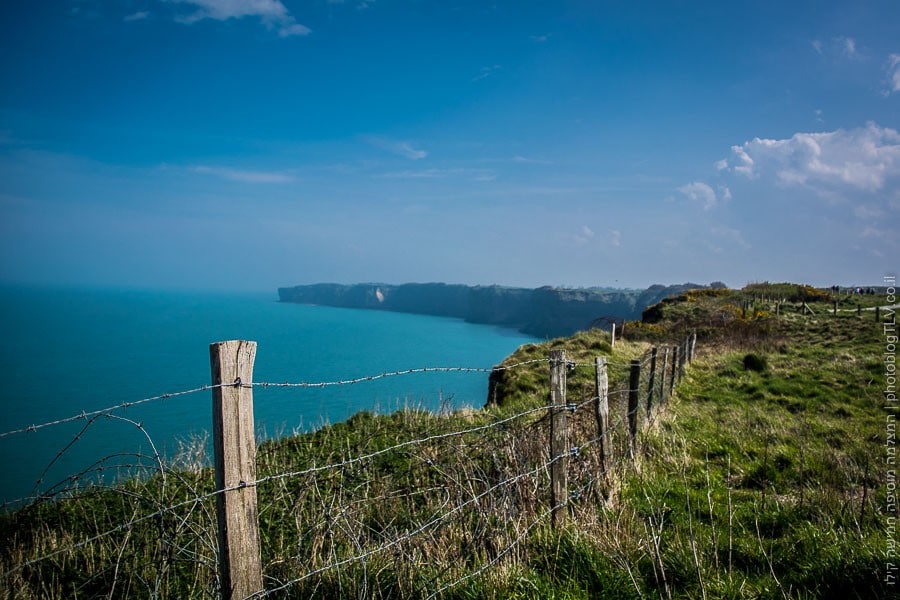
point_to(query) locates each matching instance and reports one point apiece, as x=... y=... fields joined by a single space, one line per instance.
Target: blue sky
x=250 y=144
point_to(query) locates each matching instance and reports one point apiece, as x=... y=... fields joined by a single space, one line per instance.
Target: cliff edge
x=545 y=312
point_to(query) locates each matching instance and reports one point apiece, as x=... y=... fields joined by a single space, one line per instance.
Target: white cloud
x=398 y=147
x=271 y=12
x=702 y=193
x=615 y=238
x=294 y=29
x=486 y=72
x=893 y=70
x=422 y=174
x=848 y=46
x=584 y=235
x=841 y=47
x=138 y=16
x=724 y=192
x=244 y=176
x=530 y=161
x=861 y=159
x=474 y=174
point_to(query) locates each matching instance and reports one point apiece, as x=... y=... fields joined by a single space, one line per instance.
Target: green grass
x=763 y=478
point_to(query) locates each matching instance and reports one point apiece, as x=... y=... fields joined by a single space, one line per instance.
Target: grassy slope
x=753 y=483
x=782 y=465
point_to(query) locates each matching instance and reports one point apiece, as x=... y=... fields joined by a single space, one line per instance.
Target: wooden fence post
x=682 y=357
x=634 y=382
x=674 y=370
x=652 y=380
x=601 y=409
x=692 y=344
x=612 y=336
x=234 y=445
x=662 y=375
x=559 y=438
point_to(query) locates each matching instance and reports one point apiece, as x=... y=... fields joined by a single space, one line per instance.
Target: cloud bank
x=864 y=159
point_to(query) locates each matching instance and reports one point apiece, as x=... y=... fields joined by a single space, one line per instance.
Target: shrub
x=755 y=362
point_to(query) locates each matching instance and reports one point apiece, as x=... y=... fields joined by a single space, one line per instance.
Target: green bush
x=755 y=362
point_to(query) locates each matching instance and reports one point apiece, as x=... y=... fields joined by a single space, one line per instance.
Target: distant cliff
x=545 y=312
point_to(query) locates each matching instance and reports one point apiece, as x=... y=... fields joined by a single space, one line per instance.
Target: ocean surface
x=68 y=351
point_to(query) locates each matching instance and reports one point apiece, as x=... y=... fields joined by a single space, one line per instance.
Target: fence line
x=84 y=415
x=290 y=474
x=653 y=383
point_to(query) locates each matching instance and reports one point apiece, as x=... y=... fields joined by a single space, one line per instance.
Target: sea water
x=65 y=352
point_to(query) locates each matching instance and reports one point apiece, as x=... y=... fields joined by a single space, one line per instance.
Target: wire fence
x=413 y=502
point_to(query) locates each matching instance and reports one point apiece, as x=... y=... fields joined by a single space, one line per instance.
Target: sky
x=252 y=144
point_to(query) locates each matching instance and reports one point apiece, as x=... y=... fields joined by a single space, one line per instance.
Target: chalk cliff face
x=543 y=312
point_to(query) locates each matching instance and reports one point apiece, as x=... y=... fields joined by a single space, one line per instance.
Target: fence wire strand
x=84 y=415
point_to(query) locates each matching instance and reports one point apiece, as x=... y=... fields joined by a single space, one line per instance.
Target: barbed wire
x=574 y=495
x=262 y=384
x=111 y=409
x=128 y=525
x=58 y=489
x=394 y=542
x=367 y=378
x=405 y=444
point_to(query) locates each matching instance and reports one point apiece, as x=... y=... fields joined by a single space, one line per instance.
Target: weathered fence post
x=652 y=380
x=234 y=445
x=878 y=314
x=634 y=383
x=662 y=375
x=674 y=370
x=682 y=357
x=559 y=435
x=692 y=344
x=612 y=336
x=601 y=409
x=835 y=307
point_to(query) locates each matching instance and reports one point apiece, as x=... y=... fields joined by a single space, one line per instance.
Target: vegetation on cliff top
x=765 y=477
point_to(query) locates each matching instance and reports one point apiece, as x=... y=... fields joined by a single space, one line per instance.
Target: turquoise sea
x=65 y=351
